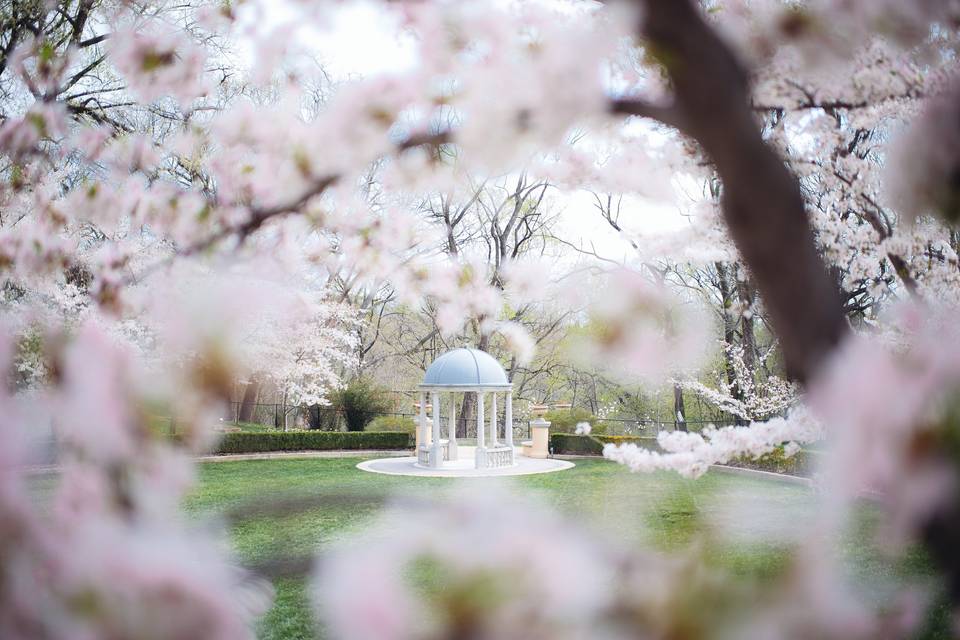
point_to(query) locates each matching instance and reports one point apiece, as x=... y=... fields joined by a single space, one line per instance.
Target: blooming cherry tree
x=134 y=161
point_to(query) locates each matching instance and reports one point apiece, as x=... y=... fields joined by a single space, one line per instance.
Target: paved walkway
x=463 y=468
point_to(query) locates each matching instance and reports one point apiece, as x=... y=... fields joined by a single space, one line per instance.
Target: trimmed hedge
x=571 y=444
x=648 y=442
x=310 y=440
x=801 y=463
x=403 y=424
x=568 y=443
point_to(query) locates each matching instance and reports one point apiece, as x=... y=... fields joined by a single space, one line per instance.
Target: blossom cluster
x=107 y=553
x=166 y=230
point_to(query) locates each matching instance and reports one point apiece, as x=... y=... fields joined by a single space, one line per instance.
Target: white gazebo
x=465 y=371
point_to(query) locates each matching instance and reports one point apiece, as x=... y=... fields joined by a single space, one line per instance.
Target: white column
x=481 y=459
x=436 y=449
x=493 y=419
x=423 y=419
x=452 y=444
x=508 y=419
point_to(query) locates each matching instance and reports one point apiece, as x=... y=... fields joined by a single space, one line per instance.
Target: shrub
x=647 y=442
x=570 y=444
x=567 y=443
x=403 y=424
x=801 y=463
x=323 y=417
x=310 y=440
x=599 y=428
x=565 y=420
x=360 y=402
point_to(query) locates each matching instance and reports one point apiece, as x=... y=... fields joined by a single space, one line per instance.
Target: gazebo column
x=436 y=448
x=423 y=420
x=508 y=419
x=452 y=437
x=481 y=459
x=493 y=420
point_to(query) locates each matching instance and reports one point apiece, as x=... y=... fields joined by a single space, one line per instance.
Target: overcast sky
x=361 y=40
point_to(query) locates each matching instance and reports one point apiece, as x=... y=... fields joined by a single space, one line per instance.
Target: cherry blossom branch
x=761 y=202
x=811 y=102
x=872 y=215
x=259 y=216
x=664 y=114
x=424 y=139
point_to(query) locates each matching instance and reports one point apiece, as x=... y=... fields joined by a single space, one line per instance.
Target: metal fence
x=279 y=416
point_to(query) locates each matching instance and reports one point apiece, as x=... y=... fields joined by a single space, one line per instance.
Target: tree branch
x=761 y=202
x=667 y=115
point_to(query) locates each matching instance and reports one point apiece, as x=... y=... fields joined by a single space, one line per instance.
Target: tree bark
x=729 y=335
x=761 y=201
x=679 y=413
x=465 y=415
x=249 y=401
x=469 y=404
x=748 y=337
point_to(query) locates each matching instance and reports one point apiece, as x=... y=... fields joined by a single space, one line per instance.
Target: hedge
x=310 y=440
x=404 y=424
x=648 y=442
x=570 y=444
x=801 y=463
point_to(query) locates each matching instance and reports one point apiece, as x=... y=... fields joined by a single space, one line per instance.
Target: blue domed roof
x=465 y=368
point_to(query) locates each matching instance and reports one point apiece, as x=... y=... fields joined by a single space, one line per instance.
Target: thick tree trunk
x=465 y=416
x=468 y=406
x=679 y=413
x=249 y=401
x=729 y=334
x=762 y=203
x=749 y=339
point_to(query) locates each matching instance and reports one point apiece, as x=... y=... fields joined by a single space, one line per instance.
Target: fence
x=279 y=416
x=628 y=427
x=266 y=414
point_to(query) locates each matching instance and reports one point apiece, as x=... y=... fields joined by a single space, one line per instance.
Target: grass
x=662 y=511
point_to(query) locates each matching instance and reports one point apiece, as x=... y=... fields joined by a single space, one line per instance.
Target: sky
x=360 y=40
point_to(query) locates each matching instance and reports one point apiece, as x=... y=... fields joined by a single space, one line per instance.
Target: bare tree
x=761 y=201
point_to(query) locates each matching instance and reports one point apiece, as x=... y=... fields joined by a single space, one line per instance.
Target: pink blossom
x=639 y=329
x=924 y=160
x=96 y=417
x=158 y=61
x=542 y=576
x=22 y=135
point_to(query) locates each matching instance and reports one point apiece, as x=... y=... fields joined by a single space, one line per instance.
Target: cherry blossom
x=642 y=330
x=160 y=244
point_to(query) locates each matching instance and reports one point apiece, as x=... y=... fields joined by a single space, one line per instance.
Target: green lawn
x=661 y=510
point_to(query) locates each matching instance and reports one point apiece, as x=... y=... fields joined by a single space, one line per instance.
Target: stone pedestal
x=539 y=439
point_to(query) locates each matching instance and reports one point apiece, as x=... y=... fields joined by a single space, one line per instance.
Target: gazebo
x=465 y=371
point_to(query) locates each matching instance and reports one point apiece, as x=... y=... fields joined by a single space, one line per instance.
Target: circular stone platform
x=462 y=468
